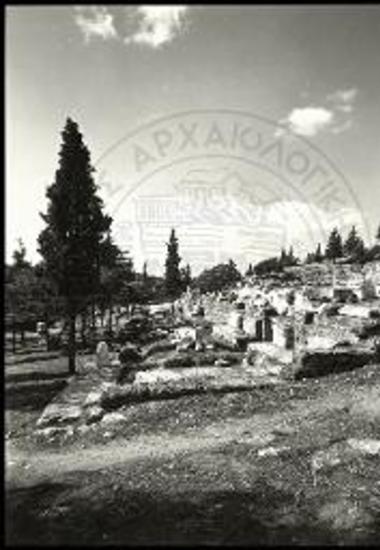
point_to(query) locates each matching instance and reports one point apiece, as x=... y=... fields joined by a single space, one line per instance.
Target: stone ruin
x=102 y=355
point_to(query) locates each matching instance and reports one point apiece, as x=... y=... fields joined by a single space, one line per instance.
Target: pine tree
x=75 y=229
x=249 y=271
x=310 y=258
x=145 y=272
x=185 y=277
x=334 y=248
x=173 y=282
x=318 y=256
x=354 y=245
x=20 y=293
x=19 y=255
x=115 y=270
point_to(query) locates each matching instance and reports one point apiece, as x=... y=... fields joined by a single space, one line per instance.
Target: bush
x=126 y=375
x=129 y=354
x=218 y=277
x=180 y=361
x=323 y=363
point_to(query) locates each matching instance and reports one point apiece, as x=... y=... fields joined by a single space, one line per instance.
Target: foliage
x=30 y=295
x=334 y=248
x=316 y=256
x=249 y=271
x=173 y=282
x=19 y=256
x=186 y=276
x=218 y=277
x=116 y=271
x=287 y=259
x=267 y=266
x=354 y=246
x=76 y=227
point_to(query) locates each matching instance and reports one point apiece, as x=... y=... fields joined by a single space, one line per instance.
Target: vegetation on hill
x=218 y=277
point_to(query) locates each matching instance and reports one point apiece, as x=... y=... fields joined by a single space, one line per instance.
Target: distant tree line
x=352 y=249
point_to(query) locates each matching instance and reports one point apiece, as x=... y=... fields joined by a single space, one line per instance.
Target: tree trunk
x=83 y=329
x=117 y=316
x=14 y=337
x=71 y=343
x=47 y=332
x=110 y=317
x=93 y=321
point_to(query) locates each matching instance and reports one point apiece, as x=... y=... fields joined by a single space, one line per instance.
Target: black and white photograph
x=192 y=275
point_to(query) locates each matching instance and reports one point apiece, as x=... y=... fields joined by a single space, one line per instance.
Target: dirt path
x=257 y=431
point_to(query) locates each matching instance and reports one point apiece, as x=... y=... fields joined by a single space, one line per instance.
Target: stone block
x=93 y=398
x=94 y=414
x=59 y=414
x=102 y=354
x=113 y=418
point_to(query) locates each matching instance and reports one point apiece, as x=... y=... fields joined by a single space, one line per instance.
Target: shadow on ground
x=33 y=396
x=49 y=514
x=34 y=376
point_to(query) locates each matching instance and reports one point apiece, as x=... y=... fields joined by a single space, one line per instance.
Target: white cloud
x=343 y=96
x=343 y=100
x=95 y=21
x=307 y=121
x=158 y=25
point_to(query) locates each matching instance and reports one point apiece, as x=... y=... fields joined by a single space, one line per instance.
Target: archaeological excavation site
x=192 y=275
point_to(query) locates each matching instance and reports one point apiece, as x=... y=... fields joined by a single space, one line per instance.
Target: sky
x=312 y=71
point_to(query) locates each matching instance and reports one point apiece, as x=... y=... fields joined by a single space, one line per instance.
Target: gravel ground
x=219 y=469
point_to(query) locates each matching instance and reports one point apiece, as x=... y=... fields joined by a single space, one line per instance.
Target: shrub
x=129 y=354
x=323 y=363
x=180 y=361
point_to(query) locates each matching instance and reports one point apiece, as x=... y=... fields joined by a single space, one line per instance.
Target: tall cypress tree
x=75 y=230
x=334 y=248
x=173 y=280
